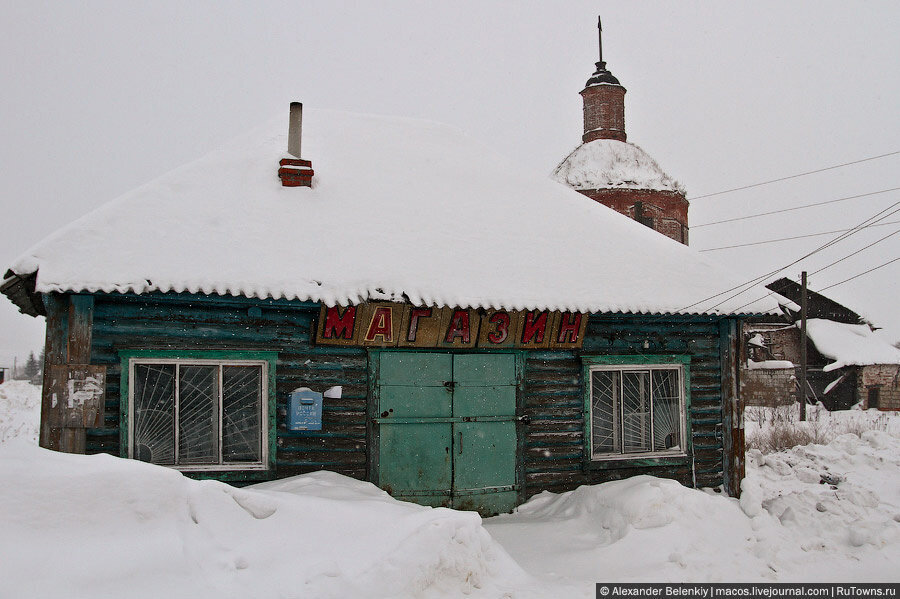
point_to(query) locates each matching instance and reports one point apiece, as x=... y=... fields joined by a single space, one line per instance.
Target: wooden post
x=78 y=350
x=733 y=465
x=72 y=395
x=803 y=383
x=81 y=319
x=54 y=355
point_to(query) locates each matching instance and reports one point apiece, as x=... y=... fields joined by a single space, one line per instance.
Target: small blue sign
x=305 y=410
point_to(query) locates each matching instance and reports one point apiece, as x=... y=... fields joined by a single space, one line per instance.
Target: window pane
x=666 y=411
x=241 y=402
x=604 y=413
x=636 y=411
x=154 y=413
x=198 y=414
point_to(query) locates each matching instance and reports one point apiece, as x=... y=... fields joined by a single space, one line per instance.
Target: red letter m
x=337 y=325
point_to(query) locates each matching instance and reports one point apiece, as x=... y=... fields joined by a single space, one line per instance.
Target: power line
x=731 y=220
x=755 y=280
x=741 y=245
x=856 y=252
x=865 y=272
x=827 y=168
x=832 y=264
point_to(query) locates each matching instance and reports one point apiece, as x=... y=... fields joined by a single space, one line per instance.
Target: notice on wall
x=384 y=324
x=77 y=395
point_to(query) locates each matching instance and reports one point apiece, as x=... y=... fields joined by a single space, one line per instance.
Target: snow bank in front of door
x=638 y=529
x=825 y=512
x=78 y=526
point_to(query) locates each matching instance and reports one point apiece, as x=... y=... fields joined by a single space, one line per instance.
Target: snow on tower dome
x=612 y=164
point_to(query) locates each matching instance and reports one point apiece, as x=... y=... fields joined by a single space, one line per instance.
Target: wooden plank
x=198 y=312
x=499 y=329
x=420 y=327
x=54 y=354
x=378 y=324
x=733 y=417
x=77 y=390
x=536 y=329
x=568 y=330
x=72 y=440
x=81 y=316
x=78 y=396
x=459 y=328
x=338 y=325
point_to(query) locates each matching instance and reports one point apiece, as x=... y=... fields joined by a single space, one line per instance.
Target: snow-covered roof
x=400 y=209
x=849 y=344
x=613 y=164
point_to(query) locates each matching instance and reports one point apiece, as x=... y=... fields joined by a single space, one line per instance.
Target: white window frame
x=682 y=451
x=221 y=465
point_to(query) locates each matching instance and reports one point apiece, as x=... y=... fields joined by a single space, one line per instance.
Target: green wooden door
x=484 y=457
x=414 y=411
x=447 y=430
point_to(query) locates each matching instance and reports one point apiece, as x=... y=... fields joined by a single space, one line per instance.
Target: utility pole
x=803 y=348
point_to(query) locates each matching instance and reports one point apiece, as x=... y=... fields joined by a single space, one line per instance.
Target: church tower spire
x=615 y=173
x=604 y=102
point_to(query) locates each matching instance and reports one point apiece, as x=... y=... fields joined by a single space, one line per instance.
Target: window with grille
x=198 y=414
x=636 y=410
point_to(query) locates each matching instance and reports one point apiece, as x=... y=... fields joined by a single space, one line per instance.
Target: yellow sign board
x=384 y=324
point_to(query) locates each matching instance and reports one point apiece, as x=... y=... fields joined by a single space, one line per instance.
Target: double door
x=446 y=426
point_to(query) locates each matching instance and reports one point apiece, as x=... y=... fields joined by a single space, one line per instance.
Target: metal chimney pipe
x=295 y=128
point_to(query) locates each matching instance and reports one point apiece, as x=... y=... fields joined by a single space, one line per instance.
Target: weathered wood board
x=384 y=324
x=77 y=396
x=553 y=438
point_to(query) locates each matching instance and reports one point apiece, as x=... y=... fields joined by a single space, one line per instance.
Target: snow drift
x=82 y=526
x=99 y=526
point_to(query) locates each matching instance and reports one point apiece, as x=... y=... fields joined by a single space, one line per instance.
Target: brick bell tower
x=604 y=102
x=618 y=174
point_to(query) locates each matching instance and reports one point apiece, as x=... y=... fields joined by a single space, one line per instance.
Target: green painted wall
x=553 y=440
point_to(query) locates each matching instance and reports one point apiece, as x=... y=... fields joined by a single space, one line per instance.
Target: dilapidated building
x=846 y=363
x=396 y=303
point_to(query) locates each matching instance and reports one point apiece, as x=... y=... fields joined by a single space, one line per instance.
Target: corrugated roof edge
x=29 y=302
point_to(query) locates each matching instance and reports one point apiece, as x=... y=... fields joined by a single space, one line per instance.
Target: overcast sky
x=100 y=97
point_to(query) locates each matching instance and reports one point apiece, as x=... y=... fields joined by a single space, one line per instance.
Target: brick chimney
x=604 y=102
x=295 y=172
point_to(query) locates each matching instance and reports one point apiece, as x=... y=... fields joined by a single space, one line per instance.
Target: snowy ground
x=20 y=411
x=98 y=526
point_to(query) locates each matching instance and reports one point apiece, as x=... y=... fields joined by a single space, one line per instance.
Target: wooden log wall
x=554 y=400
x=553 y=387
x=132 y=322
